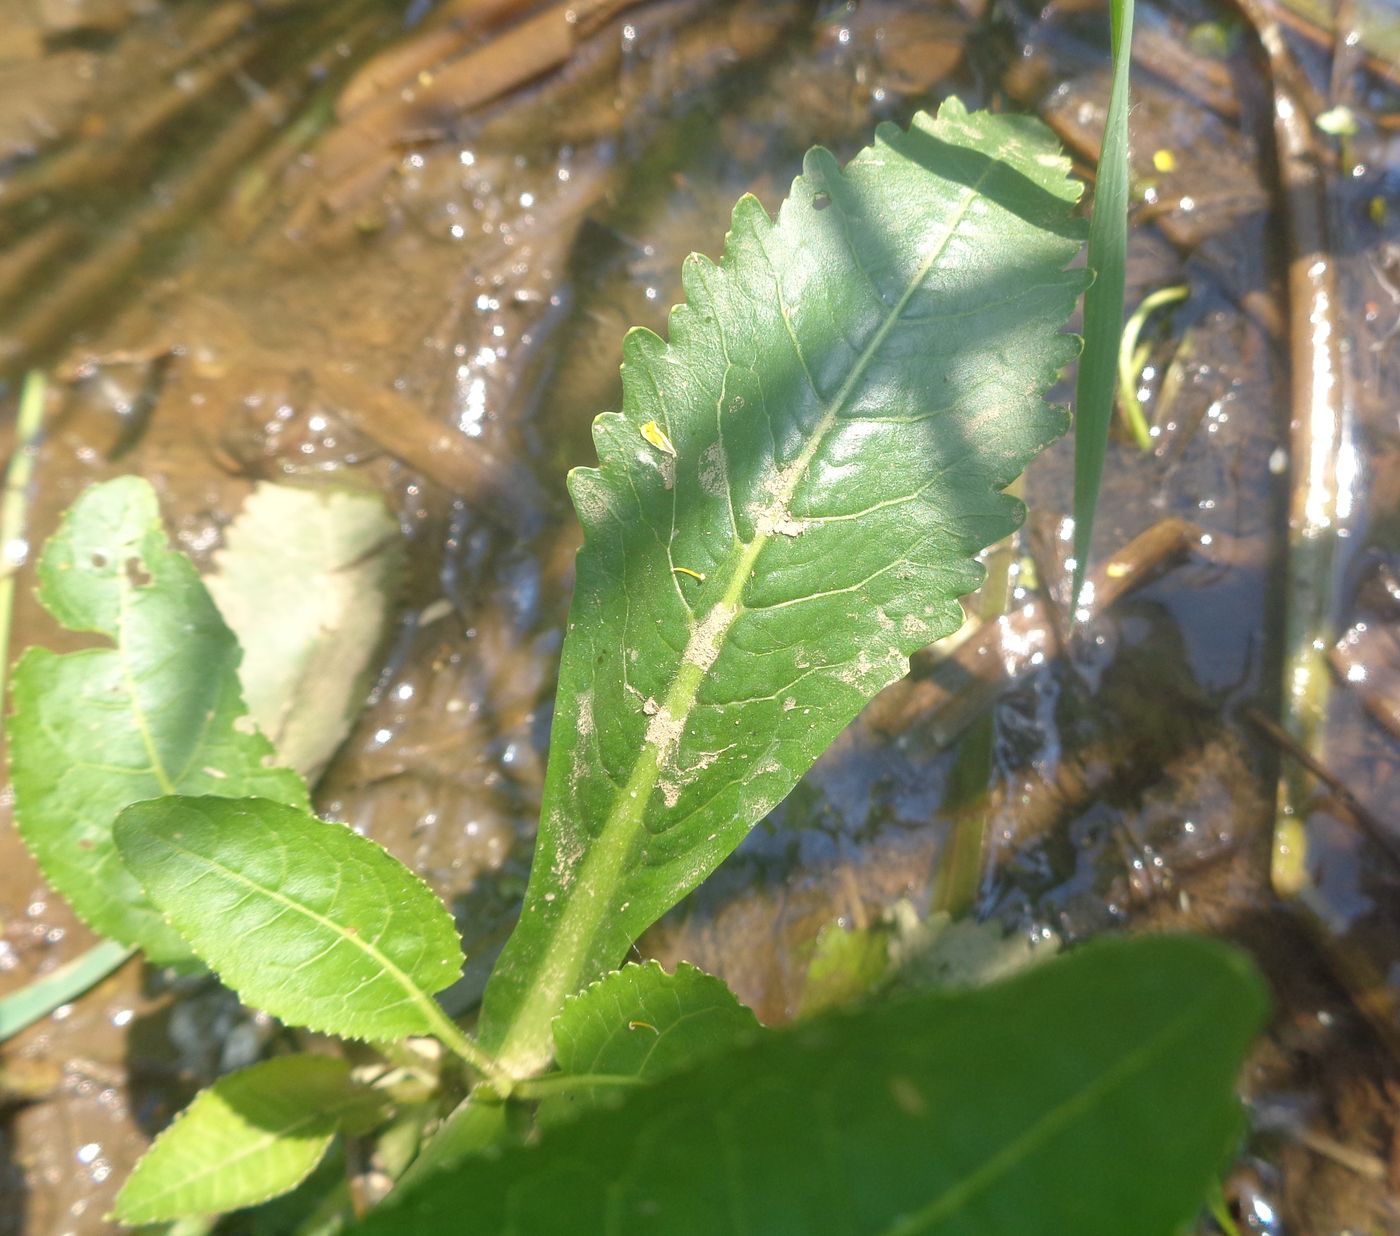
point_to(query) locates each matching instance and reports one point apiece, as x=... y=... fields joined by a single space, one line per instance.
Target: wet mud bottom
x=396 y=248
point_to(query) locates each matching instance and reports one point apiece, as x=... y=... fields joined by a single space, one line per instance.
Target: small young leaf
x=848 y=963
x=250 y=1136
x=844 y=395
x=159 y=713
x=307 y=920
x=1092 y=1096
x=640 y=1022
x=302 y=579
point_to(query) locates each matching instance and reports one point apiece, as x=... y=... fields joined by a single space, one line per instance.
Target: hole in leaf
x=136 y=573
x=821 y=201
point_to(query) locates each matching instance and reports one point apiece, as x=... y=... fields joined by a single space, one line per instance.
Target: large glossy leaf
x=304 y=919
x=1091 y=1096
x=250 y=1136
x=787 y=505
x=641 y=1023
x=158 y=712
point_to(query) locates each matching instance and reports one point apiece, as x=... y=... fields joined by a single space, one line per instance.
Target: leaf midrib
x=231 y=1161
x=1139 y=1060
x=138 y=712
x=603 y=870
x=424 y=1002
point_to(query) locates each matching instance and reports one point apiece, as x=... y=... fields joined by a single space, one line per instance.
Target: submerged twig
x=71 y=296
x=964 y=852
x=1375 y=829
x=132 y=133
x=450 y=29
x=532 y=47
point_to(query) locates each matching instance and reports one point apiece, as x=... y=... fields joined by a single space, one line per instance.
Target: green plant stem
x=563 y=1083
x=14 y=505
x=40 y=998
x=1130 y=361
x=1103 y=302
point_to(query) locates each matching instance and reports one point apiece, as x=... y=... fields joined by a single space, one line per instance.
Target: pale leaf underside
x=248 y=1137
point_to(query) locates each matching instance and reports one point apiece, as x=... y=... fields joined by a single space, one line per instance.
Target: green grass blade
x=40 y=998
x=1103 y=302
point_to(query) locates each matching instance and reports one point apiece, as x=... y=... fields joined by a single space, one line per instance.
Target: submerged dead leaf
x=304 y=580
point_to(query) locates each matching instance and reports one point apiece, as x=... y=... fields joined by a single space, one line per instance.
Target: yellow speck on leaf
x=654 y=434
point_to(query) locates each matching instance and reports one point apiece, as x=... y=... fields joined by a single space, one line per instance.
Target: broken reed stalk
x=1318 y=435
x=14 y=507
x=131 y=136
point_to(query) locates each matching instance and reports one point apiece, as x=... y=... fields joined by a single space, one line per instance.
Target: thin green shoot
x=563 y=1083
x=1220 y=1212
x=14 y=506
x=1103 y=302
x=1132 y=357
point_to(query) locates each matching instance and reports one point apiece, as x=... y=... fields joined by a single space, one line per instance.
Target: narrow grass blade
x=1103 y=302
x=40 y=998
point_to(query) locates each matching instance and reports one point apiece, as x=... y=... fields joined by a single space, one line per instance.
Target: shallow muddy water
x=321 y=243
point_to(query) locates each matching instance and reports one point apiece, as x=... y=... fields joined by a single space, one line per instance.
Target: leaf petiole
x=563 y=1083
x=446 y=1031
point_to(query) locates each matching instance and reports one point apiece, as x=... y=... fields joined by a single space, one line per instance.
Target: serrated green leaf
x=1093 y=1095
x=250 y=1136
x=159 y=713
x=302 y=580
x=843 y=397
x=641 y=1022
x=304 y=919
